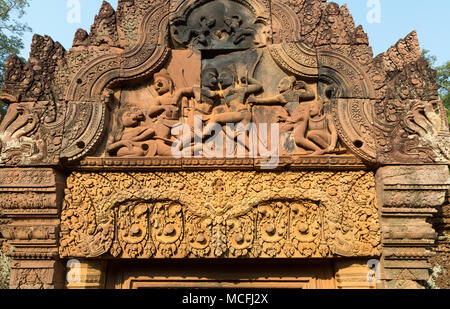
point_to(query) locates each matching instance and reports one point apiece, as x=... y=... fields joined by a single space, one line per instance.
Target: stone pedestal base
x=86 y=274
x=355 y=274
x=37 y=274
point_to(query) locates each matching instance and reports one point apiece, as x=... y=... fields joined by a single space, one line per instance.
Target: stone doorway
x=220 y=274
x=223 y=273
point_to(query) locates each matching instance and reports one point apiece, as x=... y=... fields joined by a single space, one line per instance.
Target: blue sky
x=397 y=19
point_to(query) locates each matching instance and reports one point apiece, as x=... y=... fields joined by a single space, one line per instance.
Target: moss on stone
x=4 y=269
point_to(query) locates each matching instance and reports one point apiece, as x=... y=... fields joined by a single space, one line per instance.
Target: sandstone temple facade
x=223 y=143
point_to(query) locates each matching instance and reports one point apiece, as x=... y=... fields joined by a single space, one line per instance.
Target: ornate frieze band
x=220 y=214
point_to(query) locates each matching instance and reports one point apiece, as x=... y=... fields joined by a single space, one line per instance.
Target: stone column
x=409 y=197
x=30 y=200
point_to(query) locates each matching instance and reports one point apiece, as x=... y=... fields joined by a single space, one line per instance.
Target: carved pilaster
x=36 y=274
x=440 y=263
x=30 y=200
x=409 y=197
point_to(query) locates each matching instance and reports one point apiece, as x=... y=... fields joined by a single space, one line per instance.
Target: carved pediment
x=241 y=80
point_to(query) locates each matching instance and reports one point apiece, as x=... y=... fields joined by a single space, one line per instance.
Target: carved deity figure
x=233 y=93
x=290 y=91
x=203 y=104
x=196 y=36
x=209 y=92
x=312 y=128
x=151 y=135
x=132 y=140
x=218 y=24
x=165 y=110
x=233 y=28
x=223 y=97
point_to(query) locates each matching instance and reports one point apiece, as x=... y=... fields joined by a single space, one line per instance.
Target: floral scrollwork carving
x=192 y=214
x=273 y=225
x=133 y=230
x=167 y=228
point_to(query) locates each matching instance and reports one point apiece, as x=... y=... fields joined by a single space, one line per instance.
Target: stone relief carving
x=312 y=128
x=232 y=93
x=195 y=214
x=410 y=121
x=29 y=133
x=151 y=65
x=218 y=24
x=148 y=133
x=313 y=50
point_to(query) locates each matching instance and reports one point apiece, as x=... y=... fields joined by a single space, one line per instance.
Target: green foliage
x=11 y=32
x=430 y=58
x=446 y=101
x=442 y=77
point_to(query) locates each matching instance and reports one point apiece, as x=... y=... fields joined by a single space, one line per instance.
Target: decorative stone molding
x=170 y=164
x=354 y=274
x=441 y=261
x=144 y=58
x=30 y=202
x=296 y=58
x=409 y=197
x=86 y=274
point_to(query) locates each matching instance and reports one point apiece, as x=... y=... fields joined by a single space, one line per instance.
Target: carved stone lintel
x=220 y=214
